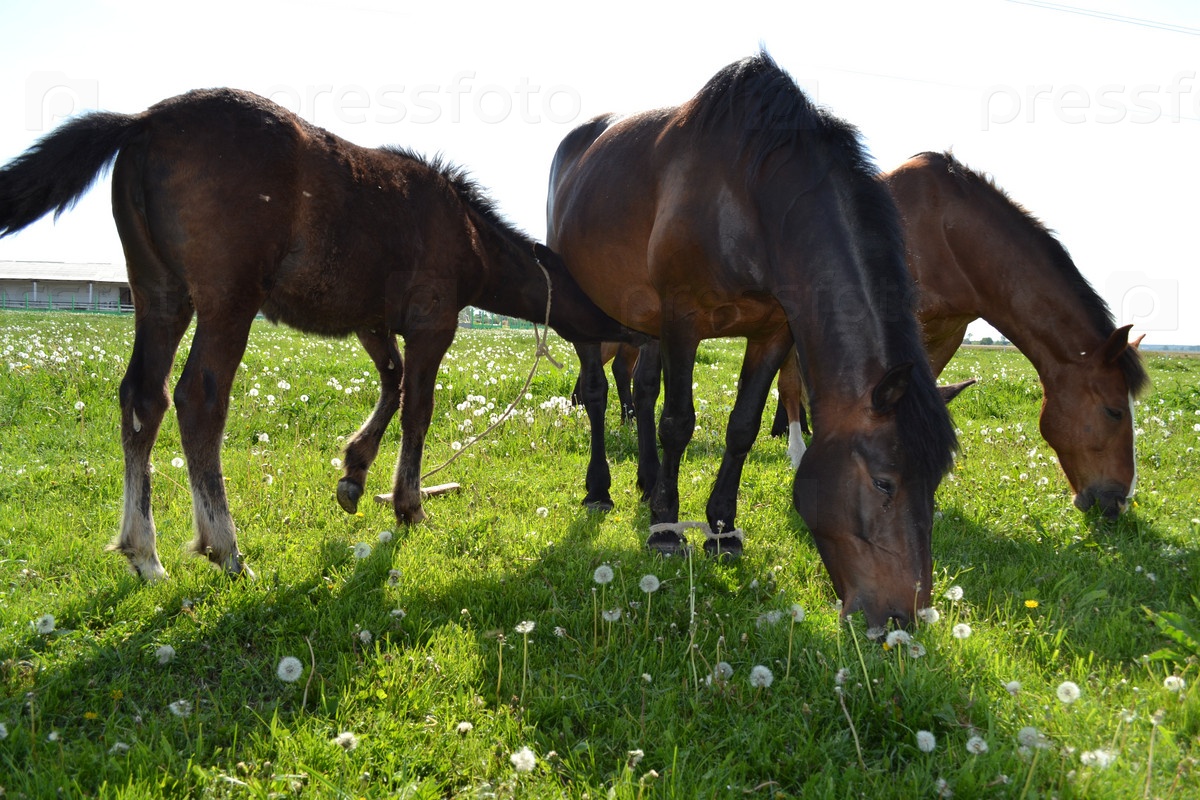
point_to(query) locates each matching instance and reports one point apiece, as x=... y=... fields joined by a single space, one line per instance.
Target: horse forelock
x=1095 y=308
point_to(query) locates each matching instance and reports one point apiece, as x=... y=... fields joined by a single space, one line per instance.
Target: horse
x=227 y=205
x=975 y=253
x=749 y=212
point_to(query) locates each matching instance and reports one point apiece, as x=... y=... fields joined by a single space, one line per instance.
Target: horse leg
x=675 y=430
x=144 y=402
x=647 y=380
x=380 y=345
x=622 y=372
x=761 y=362
x=791 y=400
x=202 y=406
x=593 y=391
x=422 y=357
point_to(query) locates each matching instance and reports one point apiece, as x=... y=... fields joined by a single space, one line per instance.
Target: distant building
x=54 y=285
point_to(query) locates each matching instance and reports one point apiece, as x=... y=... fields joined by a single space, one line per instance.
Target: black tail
x=54 y=173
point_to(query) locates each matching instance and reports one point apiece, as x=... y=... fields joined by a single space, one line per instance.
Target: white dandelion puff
x=603 y=574
x=345 y=740
x=977 y=746
x=181 y=708
x=1068 y=692
x=362 y=550
x=1174 y=683
x=796 y=612
x=464 y=728
x=165 y=654
x=929 y=615
x=761 y=677
x=526 y=626
x=649 y=584
x=926 y=742
x=44 y=623
x=954 y=593
x=961 y=631
x=289 y=670
x=523 y=760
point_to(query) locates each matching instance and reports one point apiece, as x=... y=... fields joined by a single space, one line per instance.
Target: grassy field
x=477 y=655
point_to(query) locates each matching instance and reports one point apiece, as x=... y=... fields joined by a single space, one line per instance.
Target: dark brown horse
x=974 y=253
x=226 y=205
x=748 y=212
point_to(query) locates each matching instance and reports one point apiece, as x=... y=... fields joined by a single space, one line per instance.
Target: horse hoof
x=667 y=543
x=348 y=495
x=602 y=505
x=728 y=548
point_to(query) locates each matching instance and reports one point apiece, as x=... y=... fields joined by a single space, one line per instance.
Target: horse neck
x=1022 y=292
x=510 y=278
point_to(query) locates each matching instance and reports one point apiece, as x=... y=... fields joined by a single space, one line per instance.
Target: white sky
x=1087 y=114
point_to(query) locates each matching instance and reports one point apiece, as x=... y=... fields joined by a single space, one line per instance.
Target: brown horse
x=749 y=212
x=974 y=253
x=226 y=205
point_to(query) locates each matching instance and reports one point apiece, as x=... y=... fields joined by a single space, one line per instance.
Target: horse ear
x=546 y=257
x=952 y=391
x=891 y=388
x=1117 y=342
x=1136 y=344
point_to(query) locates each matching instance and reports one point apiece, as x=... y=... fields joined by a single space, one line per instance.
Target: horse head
x=1087 y=417
x=867 y=496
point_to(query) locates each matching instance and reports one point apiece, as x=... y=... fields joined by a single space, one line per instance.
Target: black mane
x=471 y=194
x=758 y=98
x=1098 y=313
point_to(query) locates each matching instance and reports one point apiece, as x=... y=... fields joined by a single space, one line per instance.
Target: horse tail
x=58 y=170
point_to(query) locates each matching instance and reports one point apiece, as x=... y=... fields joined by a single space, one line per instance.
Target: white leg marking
x=796 y=446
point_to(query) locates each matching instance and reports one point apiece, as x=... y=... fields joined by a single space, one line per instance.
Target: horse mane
x=1097 y=310
x=758 y=98
x=471 y=194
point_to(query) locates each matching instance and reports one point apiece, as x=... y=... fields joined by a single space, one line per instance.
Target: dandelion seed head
x=1174 y=683
x=289 y=670
x=897 y=637
x=345 y=740
x=543 y=512
x=525 y=627
x=916 y=650
x=44 y=623
x=1029 y=736
x=165 y=654
x=1100 y=759
x=796 y=612
x=954 y=593
x=177 y=462
x=929 y=615
x=362 y=550
x=977 y=746
x=649 y=584
x=603 y=574
x=1013 y=687
x=761 y=677
x=523 y=760
x=926 y=741
x=385 y=537
x=181 y=708
x=961 y=631
x=1068 y=692
x=464 y=727
x=611 y=615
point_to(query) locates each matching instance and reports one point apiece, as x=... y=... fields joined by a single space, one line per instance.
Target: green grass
x=401 y=659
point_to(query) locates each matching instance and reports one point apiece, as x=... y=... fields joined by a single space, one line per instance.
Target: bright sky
x=1088 y=114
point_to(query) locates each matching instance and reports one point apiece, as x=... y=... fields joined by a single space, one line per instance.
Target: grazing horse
x=227 y=204
x=749 y=212
x=974 y=253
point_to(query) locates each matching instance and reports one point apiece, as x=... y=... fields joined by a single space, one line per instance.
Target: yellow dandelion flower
x=1031 y=603
x=90 y=715
x=117 y=694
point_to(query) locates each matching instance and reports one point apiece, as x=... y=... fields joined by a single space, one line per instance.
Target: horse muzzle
x=1112 y=501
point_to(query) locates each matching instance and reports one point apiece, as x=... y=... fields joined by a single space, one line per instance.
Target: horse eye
x=1113 y=413
x=885 y=486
